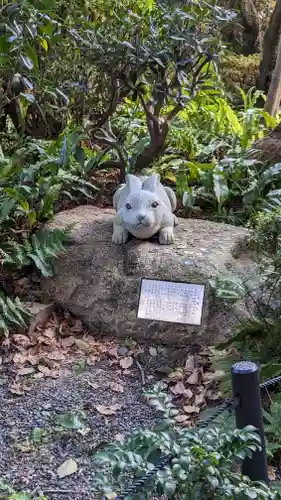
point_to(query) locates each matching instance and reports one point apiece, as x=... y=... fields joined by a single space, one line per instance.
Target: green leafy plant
x=12 y=313
x=272 y=419
x=34 y=179
x=41 y=249
x=202 y=461
x=255 y=337
x=161 y=66
x=8 y=493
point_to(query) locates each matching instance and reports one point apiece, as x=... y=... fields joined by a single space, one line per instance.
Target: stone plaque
x=171 y=301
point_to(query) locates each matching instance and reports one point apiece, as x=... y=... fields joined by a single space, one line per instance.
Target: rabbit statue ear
x=152 y=183
x=133 y=183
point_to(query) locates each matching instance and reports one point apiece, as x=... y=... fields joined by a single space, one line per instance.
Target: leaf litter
x=67 y=468
x=83 y=410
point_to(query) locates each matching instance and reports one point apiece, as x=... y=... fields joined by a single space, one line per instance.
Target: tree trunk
x=274 y=94
x=244 y=32
x=270 y=44
x=251 y=24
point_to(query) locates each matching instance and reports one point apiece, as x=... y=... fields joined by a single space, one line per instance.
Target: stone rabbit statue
x=144 y=208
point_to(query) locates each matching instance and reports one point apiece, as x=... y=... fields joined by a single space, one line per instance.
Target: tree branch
x=151 y=120
x=172 y=115
x=197 y=72
x=113 y=103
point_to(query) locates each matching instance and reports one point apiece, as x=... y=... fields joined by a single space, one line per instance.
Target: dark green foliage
x=272 y=420
x=33 y=180
x=40 y=249
x=12 y=314
x=203 y=464
x=258 y=338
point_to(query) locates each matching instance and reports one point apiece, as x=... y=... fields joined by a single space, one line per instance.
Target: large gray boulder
x=99 y=281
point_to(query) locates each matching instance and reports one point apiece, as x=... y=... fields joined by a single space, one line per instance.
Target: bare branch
x=113 y=103
x=172 y=115
x=151 y=120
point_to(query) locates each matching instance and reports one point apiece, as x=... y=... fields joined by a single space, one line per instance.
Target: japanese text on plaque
x=171 y=301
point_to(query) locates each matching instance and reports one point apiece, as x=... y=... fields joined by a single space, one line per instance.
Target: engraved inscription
x=171 y=301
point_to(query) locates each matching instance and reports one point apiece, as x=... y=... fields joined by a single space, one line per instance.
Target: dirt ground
x=66 y=395
x=32 y=466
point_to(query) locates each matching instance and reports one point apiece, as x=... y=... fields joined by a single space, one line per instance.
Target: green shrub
x=240 y=72
x=258 y=337
x=203 y=461
x=33 y=180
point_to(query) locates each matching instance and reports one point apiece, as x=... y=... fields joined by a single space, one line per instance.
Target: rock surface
x=99 y=281
x=268 y=149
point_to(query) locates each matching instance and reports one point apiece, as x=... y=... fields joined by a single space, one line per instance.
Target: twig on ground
x=65 y=492
x=141 y=372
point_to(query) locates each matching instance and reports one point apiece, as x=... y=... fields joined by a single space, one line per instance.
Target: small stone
x=122 y=350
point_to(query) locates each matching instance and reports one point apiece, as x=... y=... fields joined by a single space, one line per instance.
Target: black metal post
x=246 y=387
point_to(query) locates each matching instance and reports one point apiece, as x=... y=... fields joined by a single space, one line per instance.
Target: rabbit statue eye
x=154 y=204
x=128 y=206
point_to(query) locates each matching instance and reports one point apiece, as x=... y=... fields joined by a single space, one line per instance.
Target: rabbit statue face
x=142 y=214
x=143 y=208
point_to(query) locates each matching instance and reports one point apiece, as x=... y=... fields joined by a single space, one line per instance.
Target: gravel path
x=32 y=466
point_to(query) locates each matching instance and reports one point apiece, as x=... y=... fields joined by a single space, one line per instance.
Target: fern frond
x=46 y=246
x=75 y=181
x=13 y=254
x=40 y=249
x=12 y=313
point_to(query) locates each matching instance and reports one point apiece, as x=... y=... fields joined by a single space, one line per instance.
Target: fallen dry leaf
x=153 y=351
x=56 y=355
x=176 y=375
x=44 y=369
x=113 y=352
x=190 y=364
x=193 y=379
x=200 y=399
x=116 y=387
x=20 y=339
x=49 y=332
x=181 y=418
x=67 y=468
x=209 y=376
x=119 y=437
x=20 y=358
x=126 y=362
x=68 y=341
x=91 y=360
x=81 y=344
x=33 y=360
x=45 y=340
x=213 y=396
x=271 y=473
x=16 y=389
x=94 y=385
x=179 y=388
x=108 y=410
x=188 y=393
x=137 y=350
x=6 y=342
x=191 y=409
x=26 y=371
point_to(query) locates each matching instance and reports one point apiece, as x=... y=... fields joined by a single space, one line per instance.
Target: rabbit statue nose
x=141 y=217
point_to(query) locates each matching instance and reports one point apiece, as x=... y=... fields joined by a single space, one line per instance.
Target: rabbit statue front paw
x=166 y=236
